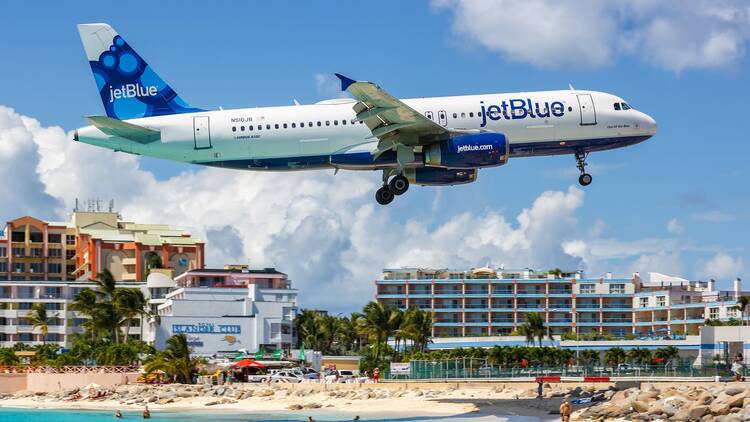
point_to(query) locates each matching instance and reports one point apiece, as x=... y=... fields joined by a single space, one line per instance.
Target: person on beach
x=146 y=413
x=310 y=419
x=376 y=374
x=565 y=410
x=118 y=414
x=539 y=389
x=737 y=368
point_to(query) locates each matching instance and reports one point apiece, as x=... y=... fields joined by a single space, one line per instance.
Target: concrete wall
x=54 y=382
x=10 y=383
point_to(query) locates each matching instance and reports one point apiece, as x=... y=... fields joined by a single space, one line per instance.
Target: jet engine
x=468 y=151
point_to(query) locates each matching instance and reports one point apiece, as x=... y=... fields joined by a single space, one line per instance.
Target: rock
x=639 y=406
x=212 y=403
x=697 y=412
x=294 y=407
x=312 y=406
x=733 y=391
x=728 y=418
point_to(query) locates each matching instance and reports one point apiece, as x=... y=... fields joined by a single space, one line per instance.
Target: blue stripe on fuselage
x=364 y=159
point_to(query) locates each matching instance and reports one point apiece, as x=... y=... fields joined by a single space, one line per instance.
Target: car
x=286 y=376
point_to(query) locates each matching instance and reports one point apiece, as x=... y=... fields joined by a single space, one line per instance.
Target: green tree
x=129 y=304
x=376 y=321
x=614 y=356
x=174 y=360
x=8 y=357
x=639 y=356
x=533 y=327
x=668 y=354
x=417 y=327
x=588 y=357
x=743 y=304
x=39 y=319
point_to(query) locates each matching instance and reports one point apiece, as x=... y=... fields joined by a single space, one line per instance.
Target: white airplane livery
x=424 y=141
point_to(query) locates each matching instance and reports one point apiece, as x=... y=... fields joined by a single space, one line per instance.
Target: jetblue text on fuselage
x=130 y=91
x=520 y=109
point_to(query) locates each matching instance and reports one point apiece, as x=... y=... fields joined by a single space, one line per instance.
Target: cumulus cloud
x=546 y=33
x=323 y=230
x=723 y=265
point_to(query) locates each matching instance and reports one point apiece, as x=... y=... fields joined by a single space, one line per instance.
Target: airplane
x=435 y=141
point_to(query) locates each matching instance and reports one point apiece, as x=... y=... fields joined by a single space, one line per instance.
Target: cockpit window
x=617 y=106
x=625 y=106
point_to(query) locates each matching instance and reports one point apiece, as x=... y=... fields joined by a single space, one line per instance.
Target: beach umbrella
x=248 y=363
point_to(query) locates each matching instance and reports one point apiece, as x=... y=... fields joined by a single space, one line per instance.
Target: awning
x=248 y=363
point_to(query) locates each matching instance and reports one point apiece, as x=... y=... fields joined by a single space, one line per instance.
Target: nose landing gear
x=584 y=179
x=398 y=185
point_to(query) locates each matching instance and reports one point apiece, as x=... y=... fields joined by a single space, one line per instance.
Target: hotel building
x=32 y=249
x=495 y=302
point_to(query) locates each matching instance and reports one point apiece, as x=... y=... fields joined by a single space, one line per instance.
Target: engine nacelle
x=468 y=151
x=435 y=176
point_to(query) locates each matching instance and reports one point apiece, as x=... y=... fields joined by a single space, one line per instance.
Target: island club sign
x=205 y=328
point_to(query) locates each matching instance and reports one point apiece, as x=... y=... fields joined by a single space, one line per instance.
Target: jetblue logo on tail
x=132 y=91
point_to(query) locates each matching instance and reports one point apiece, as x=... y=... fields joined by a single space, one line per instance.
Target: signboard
x=400 y=368
x=205 y=328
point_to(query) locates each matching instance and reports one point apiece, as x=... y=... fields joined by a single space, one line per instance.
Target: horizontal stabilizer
x=114 y=127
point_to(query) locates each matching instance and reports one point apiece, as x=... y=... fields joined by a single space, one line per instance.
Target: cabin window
x=294 y=125
x=234 y=128
x=335 y=122
x=284 y=125
x=471 y=114
x=260 y=127
x=309 y=124
x=617 y=106
x=343 y=122
x=463 y=115
x=319 y=123
x=455 y=115
x=250 y=128
x=242 y=128
x=328 y=123
x=570 y=108
x=276 y=126
x=268 y=126
x=301 y=124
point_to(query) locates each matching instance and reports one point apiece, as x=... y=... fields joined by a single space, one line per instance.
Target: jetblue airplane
x=424 y=141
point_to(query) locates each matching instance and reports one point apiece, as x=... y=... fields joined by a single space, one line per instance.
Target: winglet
x=345 y=82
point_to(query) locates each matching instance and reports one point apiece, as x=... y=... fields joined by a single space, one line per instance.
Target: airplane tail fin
x=129 y=87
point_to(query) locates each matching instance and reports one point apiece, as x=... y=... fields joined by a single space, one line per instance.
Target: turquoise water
x=34 y=415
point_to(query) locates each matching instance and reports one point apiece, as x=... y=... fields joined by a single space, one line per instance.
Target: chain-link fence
x=475 y=368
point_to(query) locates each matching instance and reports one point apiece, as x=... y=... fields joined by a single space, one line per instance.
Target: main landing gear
x=398 y=185
x=584 y=179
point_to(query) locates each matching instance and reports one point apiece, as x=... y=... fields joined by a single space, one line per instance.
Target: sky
x=678 y=203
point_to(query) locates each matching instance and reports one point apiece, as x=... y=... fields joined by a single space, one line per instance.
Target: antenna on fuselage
x=570 y=86
x=296 y=102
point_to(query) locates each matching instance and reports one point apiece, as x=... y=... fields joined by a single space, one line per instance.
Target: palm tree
x=639 y=356
x=39 y=319
x=589 y=357
x=376 y=322
x=85 y=302
x=174 y=360
x=526 y=331
x=129 y=304
x=533 y=327
x=105 y=284
x=743 y=304
x=614 y=356
x=8 y=357
x=667 y=354
x=417 y=327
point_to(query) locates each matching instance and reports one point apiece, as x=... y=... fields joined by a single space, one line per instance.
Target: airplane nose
x=648 y=124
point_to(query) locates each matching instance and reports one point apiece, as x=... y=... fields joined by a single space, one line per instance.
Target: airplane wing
x=395 y=124
x=125 y=130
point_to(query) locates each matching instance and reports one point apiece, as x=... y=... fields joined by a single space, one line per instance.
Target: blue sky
x=230 y=54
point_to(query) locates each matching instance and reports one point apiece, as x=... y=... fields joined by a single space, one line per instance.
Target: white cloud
x=717 y=216
x=675 y=227
x=724 y=266
x=326 y=232
x=552 y=34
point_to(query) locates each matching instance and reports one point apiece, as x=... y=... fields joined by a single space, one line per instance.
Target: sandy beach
x=403 y=400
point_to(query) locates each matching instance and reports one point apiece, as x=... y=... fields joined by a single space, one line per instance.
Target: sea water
x=38 y=415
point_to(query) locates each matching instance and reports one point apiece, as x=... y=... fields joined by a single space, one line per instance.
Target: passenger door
x=201 y=132
x=588 y=113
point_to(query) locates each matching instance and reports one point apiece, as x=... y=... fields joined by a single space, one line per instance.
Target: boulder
x=734 y=390
x=639 y=406
x=295 y=407
x=697 y=412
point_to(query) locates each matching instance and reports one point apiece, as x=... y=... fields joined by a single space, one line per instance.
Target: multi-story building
x=19 y=296
x=223 y=311
x=485 y=301
x=32 y=249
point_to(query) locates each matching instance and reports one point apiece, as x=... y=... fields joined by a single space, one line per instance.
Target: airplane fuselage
x=327 y=134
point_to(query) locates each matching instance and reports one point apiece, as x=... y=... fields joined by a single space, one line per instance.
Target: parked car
x=339 y=376
x=286 y=376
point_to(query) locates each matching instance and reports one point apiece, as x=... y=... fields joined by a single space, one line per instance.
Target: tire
x=585 y=179
x=398 y=185
x=384 y=196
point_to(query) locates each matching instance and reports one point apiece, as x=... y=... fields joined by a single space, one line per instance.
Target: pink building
x=233 y=276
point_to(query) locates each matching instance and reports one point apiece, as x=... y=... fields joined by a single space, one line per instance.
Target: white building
x=224 y=320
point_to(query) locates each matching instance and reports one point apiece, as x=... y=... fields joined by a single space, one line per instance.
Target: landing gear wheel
x=399 y=185
x=585 y=179
x=384 y=196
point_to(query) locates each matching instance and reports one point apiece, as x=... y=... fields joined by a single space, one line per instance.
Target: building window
x=661 y=301
x=616 y=288
x=643 y=302
x=55 y=253
x=713 y=313
x=19 y=267
x=588 y=289
x=36 y=267
x=3 y=267
x=55 y=268
x=36 y=252
x=70 y=254
x=18 y=237
x=70 y=239
x=19 y=252
x=3 y=252
x=54 y=238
